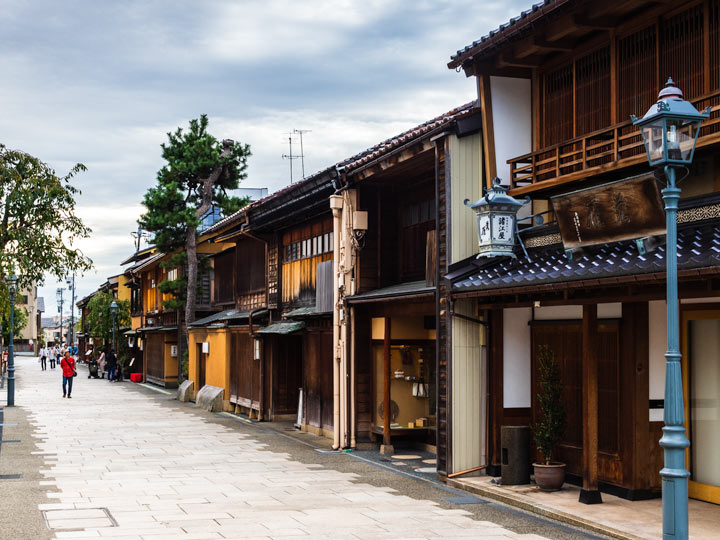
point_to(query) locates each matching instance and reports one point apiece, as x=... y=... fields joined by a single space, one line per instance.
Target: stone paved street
x=123 y=461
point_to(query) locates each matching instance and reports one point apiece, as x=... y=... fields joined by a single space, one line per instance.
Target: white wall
x=516 y=357
x=559 y=313
x=657 y=337
x=469 y=390
x=512 y=120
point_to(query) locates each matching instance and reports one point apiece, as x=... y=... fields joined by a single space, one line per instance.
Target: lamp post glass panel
x=496 y=217
x=670 y=130
x=12 y=290
x=114 y=311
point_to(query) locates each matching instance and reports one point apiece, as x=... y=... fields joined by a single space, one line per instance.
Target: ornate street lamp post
x=670 y=130
x=114 y=311
x=12 y=289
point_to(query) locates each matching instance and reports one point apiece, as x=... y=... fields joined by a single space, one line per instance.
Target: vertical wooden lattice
x=592 y=92
x=637 y=74
x=557 y=122
x=714 y=16
x=681 y=46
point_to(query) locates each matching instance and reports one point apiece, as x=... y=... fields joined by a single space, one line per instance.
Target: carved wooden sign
x=623 y=210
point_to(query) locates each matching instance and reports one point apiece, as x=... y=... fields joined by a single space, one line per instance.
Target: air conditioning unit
x=173 y=351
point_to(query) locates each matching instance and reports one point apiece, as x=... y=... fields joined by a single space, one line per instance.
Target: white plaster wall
x=512 y=120
x=657 y=335
x=558 y=313
x=516 y=357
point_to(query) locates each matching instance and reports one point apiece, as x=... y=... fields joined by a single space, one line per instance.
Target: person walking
x=111 y=365
x=52 y=353
x=43 y=358
x=102 y=363
x=68 y=368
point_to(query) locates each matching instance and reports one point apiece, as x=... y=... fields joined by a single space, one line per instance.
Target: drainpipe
x=261 y=382
x=336 y=205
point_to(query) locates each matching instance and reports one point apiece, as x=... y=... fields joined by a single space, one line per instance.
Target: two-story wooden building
x=557 y=86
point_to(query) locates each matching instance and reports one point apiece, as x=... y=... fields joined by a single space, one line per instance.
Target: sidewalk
x=615 y=517
x=120 y=463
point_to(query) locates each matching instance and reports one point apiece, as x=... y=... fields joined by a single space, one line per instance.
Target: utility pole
x=59 y=297
x=302 y=151
x=71 y=329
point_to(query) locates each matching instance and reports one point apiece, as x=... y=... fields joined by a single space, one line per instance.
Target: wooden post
x=590 y=493
x=387 y=447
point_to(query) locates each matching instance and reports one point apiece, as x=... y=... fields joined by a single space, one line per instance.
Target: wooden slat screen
x=154 y=357
x=714 y=16
x=224 y=278
x=557 y=123
x=592 y=91
x=681 y=51
x=324 y=287
x=250 y=266
x=637 y=73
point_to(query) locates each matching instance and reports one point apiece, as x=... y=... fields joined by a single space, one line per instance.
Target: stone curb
x=518 y=501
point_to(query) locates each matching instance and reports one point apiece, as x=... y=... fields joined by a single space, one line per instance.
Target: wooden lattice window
x=637 y=73
x=714 y=16
x=592 y=92
x=557 y=121
x=681 y=46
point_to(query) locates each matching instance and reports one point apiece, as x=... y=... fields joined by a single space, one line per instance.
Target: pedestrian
x=68 y=368
x=102 y=362
x=58 y=354
x=53 y=354
x=111 y=365
x=43 y=358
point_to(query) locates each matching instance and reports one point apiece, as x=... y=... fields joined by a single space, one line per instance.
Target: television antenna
x=302 y=152
x=290 y=156
x=138 y=236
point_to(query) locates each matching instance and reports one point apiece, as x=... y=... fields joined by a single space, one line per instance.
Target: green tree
x=38 y=226
x=552 y=420
x=199 y=172
x=20 y=317
x=99 y=317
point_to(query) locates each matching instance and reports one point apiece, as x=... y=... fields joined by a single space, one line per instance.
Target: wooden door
x=565 y=340
x=701 y=388
x=317 y=379
x=202 y=366
x=154 y=355
x=244 y=372
x=287 y=371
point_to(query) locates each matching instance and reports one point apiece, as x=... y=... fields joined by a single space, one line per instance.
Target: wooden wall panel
x=224 y=266
x=592 y=91
x=154 y=354
x=317 y=379
x=681 y=51
x=287 y=373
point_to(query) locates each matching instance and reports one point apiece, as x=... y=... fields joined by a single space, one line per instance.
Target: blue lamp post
x=114 y=308
x=670 y=130
x=12 y=289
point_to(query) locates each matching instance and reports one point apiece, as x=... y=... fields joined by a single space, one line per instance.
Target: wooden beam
x=595 y=23
x=590 y=494
x=504 y=60
x=538 y=45
x=488 y=129
x=386 y=447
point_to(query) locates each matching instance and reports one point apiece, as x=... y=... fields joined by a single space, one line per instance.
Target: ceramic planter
x=549 y=477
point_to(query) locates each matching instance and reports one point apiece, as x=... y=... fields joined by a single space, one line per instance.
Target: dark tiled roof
x=284 y=327
x=698 y=247
x=353 y=162
x=516 y=24
x=394 y=142
x=410 y=288
x=223 y=317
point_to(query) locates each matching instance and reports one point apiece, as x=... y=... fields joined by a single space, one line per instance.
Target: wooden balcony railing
x=603 y=150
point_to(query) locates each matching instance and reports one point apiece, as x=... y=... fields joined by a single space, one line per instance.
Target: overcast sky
x=101 y=83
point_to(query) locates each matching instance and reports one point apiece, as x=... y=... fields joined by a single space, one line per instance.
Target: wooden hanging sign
x=623 y=210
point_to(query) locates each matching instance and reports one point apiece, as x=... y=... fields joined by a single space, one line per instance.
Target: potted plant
x=549 y=428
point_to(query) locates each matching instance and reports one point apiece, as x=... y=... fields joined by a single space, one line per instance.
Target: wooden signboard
x=622 y=210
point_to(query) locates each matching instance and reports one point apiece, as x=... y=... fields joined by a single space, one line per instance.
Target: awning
x=283 y=328
x=306 y=312
x=223 y=317
x=411 y=289
x=131 y=333
x=549 y=269
x=156 y=329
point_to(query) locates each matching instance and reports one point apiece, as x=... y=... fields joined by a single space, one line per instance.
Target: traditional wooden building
x=557 y=86
x=398 y=203
x=272 y=341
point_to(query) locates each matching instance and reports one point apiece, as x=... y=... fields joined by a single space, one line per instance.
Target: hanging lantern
x=496 y=218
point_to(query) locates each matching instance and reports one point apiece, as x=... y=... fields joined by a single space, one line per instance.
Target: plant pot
x=549 y=477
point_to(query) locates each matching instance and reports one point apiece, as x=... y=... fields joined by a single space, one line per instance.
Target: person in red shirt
x=68 y=369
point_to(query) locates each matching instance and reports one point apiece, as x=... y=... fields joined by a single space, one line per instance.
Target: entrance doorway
x=701 y=386
x=202 y=366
